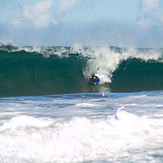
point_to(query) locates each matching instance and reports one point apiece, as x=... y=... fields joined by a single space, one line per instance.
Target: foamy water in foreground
x=82 y=128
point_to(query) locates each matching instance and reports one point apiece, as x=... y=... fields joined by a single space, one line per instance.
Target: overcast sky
x=136 y=23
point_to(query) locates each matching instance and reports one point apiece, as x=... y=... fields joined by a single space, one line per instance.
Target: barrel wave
x=28 y=71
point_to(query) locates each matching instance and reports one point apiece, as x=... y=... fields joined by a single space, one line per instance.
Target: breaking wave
x=51 y=70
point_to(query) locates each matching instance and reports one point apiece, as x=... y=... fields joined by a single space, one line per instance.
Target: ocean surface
x=49 y=112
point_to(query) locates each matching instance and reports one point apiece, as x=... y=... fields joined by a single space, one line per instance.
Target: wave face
x=52 y=70
x=137 y=75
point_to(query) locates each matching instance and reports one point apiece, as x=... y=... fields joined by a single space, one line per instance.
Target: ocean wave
x=48 y=70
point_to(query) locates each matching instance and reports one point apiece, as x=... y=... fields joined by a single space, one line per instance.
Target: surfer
x=94 y=79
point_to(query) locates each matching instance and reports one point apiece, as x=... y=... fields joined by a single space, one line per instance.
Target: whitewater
x=50 y=113
x=114 y=127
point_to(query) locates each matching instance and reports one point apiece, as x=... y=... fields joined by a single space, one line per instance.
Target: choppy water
x=83 y=127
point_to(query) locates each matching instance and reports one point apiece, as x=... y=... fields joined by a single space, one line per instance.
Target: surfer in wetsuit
x=94 y=79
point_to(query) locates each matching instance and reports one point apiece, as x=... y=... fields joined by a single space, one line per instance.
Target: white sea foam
x=78 y=139
x=89 y=127
x=85 y=105
x=105 y=60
